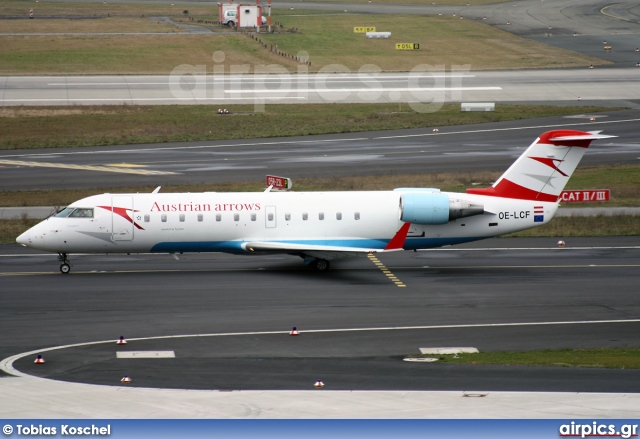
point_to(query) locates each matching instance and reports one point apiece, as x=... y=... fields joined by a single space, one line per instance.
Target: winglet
x=397 y=242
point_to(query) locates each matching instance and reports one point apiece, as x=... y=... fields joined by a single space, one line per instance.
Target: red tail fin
x=543 y=170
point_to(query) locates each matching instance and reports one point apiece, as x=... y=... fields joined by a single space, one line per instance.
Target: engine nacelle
x=430 y=207
x=424 y=208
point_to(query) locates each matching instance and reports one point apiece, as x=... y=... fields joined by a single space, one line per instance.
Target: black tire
x=65 y=268
x=321 y=265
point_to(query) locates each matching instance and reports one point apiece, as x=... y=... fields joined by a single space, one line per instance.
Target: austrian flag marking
x=538 y=214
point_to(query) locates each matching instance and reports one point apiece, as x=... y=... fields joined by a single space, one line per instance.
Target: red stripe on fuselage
x=508 y=189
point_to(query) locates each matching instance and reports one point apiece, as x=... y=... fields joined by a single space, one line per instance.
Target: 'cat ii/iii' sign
x=585 y=196
x=407 y=46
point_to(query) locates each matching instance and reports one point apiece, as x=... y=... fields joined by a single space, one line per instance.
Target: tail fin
x=541 y=173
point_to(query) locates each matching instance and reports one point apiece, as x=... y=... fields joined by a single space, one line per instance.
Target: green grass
x=444 y=41
x=614 y=358
x=329 y=40
x=11 y=229
x=20 y=8
x=31 y=127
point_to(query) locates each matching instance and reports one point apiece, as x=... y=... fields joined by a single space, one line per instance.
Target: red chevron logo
x=124 y=213
x=550 y=163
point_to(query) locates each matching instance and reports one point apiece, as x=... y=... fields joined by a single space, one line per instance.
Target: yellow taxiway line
x=121 y=168
x=386 y=271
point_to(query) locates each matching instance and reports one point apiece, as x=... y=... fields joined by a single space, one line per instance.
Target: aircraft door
x=270 y=217
x=122 y=218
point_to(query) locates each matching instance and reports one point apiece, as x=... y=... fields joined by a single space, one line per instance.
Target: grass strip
x=445 y=41
x=613 y=358
x=20 y=8
x=328 y=41
x=31 y=127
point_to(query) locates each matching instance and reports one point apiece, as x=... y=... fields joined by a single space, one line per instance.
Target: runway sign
x=407 y=46
x=282 y=183
x=585 y=196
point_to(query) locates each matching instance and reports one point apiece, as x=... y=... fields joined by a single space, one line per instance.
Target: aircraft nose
x=25 y=238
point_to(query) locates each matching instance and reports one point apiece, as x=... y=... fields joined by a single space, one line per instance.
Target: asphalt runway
x=483 y=147
x=356 y=325
x=423 y=85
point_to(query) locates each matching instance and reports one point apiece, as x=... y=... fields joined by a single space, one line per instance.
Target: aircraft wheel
x=321 y=264
x=65 y=268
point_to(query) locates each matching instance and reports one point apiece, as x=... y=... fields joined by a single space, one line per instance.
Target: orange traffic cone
x=39 y=360
x=294 y=331
x=125 y=380
x=319 y=384
x=121 y=340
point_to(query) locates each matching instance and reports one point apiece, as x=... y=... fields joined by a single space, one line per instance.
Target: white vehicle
x=317 y=226
x=231 y=18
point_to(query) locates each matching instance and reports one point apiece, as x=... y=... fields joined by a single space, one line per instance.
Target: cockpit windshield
x=75 y=212
x=64 y=212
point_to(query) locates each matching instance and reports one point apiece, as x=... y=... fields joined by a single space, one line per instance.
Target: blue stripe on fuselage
x=356 y=244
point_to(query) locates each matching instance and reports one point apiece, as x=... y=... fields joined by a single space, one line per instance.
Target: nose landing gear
x=65 y=267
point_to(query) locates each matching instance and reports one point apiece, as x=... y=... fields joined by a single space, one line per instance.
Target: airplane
x=317 y=226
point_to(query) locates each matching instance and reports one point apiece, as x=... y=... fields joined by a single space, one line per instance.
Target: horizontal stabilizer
x=590 y=135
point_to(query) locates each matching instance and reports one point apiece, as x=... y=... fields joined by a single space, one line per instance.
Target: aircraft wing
x=327 y=251
x=286 y=247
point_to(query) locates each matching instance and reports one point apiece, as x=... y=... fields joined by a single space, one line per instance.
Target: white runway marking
x=365 y=89
x=7 y=364
x=146 y=354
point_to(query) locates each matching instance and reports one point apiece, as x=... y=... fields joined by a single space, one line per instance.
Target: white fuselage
x=222 y=222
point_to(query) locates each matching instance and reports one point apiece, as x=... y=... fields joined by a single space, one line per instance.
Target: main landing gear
x=65 y=267
x=319 y=264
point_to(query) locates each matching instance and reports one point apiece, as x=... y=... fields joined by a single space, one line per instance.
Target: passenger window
x=356 y=216
x=287 y=216
x=236 y=217
x=181 y=217
x=163 y=218
x=253 y=216
x=147 y=218
x=305 y=216
x=218 y=217
x=200 y=217
x=321 y=216
x=270 y=216
x=338 y=216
